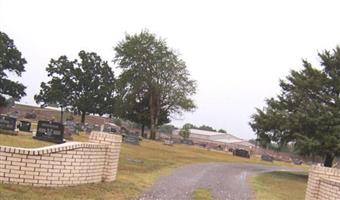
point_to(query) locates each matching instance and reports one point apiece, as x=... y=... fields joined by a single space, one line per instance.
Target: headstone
x=241 y=153
x=187 y=141
x=297 y=161
x=266 y=157
x=131 y=139
x=50 y=131
x=7 y=123
x=69 y=128
x=110 y=128
x=168 y=142
x=24 y=126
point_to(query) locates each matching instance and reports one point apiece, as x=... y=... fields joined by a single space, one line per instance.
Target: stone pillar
x=113 y=143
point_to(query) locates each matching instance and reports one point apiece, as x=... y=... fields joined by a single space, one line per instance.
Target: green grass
x=21 y=141
x=202 y=194
x=280 y=185
x=139 y=167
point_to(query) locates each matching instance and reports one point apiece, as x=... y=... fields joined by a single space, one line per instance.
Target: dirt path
x=225 y=181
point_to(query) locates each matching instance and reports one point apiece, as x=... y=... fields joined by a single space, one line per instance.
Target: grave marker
x=241 y=153
x=131 y=138
x=267 y=158
x=7 y=123
x=24 y=126
x=50 y=131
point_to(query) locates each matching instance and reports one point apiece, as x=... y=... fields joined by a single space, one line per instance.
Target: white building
x=226 y=139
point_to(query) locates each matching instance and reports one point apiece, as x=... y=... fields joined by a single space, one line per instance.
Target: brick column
x=112 y=153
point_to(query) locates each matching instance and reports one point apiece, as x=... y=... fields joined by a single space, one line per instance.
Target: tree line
x=154 y=82
x=306 y=114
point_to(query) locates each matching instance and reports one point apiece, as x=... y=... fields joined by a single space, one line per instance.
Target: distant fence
x=323 y=183
x=71 y=163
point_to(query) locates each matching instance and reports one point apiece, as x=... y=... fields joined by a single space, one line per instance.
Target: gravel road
x=225 y=181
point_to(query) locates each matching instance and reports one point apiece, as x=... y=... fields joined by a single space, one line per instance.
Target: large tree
x=134 y=106
x=85 y=86
x=307 y=112
x=58 y=91
x=149 y=67
x=11 y=60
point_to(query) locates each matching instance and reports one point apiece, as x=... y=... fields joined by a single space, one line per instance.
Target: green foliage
x=222 y=131
x=167 y=128
x=206 y=128
x=154 y=81
x=185 y=131
x=84 y=87
x=11 y=60
x=307 y=110
x=189 y=126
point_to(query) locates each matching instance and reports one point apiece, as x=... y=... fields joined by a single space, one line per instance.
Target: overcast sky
x=236 y=50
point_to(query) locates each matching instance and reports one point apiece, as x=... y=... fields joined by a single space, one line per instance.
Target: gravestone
x=69 y=128
x=187 y=141
x=169 y=142
x=131 y=138
x=50 y=131
x=267 y=158
x=241 y=153
x=24 y=126
x=8 y=124
x=110 y=128
x=297 y=161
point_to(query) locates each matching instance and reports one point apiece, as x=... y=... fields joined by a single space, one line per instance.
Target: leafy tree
x=167 y=128
x=189 y=126
x=154 y=72
x=86 y=87
x=206 y=128
x=222 y=131
x=94 y=89
x=11 y=60
x=58 y=91
x=185 y=131
x=307 y=112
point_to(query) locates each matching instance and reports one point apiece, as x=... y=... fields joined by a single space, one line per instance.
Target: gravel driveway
x=225 y=181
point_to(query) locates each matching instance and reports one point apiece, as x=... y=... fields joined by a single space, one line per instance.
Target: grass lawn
x=280 y=185
x=139 y=167
x=21 y=141
x=202 y=194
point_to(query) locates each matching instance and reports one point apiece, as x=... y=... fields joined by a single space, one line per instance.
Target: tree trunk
x=61 y=115
x=83 y=113
x=152 y=117
x=328 y=160
x=143 y=127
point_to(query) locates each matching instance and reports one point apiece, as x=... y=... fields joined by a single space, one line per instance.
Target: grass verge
x=202 y=194
x=280 y=185
x=139 y=167
x=21 y=141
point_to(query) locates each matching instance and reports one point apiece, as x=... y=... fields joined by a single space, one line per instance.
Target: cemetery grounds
x=141 y=165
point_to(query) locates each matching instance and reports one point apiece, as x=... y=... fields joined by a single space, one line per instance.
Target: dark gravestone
x=24 y=126
x=297 y=161
x=187 y=141
x=7 y=123
x=131 y=139
x=110 y=129
x=267 y=158
x=50 y=131
x=241 y=153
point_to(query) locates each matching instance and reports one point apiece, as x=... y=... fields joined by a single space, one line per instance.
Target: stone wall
x=71 y=163
x=323 y=183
